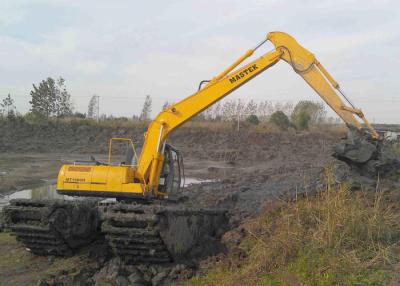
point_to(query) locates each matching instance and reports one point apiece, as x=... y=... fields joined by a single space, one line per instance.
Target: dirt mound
x=77 y=137
x=366 y=156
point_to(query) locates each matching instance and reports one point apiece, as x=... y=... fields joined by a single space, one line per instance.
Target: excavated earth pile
x=161 y=234
x=365 y=156
x=52 y=227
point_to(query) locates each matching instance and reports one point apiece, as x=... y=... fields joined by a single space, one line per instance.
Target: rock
x=356 y=148
x=181 y=271
x=99 y=251
x=109 y=272
x=121 y=281
x=153 y=270
x=51 y=259
x=341 y=171
x=146 y=271
x=366 y=156
x=136 y=278
x=158 y=279
x=176 y=271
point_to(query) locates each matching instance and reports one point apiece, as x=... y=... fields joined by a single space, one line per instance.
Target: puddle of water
x=194 y=181
x=48 y=191
x=42 y=192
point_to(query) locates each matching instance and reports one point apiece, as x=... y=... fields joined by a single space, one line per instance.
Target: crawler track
x=52 y=227
x=157 y=234
x=131 y=232
x=137 y=233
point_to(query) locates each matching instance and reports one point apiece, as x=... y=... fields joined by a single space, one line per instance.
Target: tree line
x=50 y=98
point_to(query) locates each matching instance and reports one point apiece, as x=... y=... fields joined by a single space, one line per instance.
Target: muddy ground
x=247 y=168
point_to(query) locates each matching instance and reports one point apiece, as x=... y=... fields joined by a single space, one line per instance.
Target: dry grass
x=225 y=126
x=396 y=148
x=333 y=238
x=262 y=127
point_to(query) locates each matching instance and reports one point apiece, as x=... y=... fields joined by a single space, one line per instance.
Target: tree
x=228 y=110
x=208 y=113
x=8 y=106
x=63 y=99
x=217 y=111
x=280 y=119
x=146 y=110
x=303 y=120
x=253 y=119
x=265 y=110
x=51 y=98
x=93 y=107
x=251 y=108
x=240 y=109
x=306 y=112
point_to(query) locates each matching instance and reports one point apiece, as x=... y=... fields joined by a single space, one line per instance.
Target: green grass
x=336 y=237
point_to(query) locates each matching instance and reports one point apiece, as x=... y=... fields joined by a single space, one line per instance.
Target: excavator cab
x=172 y=171
x=119 y=179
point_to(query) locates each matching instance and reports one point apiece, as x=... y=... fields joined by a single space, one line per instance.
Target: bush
x=307 y=112
x=303 y=120
x=35 y=118
x=253 y=119
x=280 y=119
x=79 y=115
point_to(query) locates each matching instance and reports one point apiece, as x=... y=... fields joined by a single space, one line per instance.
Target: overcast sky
x=123 y=50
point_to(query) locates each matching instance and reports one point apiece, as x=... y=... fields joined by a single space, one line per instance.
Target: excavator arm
x=286 y=48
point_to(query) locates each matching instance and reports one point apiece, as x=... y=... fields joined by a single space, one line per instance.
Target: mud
x=278 y=166
x=367 y=157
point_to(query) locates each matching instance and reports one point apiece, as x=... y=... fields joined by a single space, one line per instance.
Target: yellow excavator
x=143 y=178
x=138 y=229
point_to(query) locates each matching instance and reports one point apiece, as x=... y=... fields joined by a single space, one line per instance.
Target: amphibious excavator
x=140 y=226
